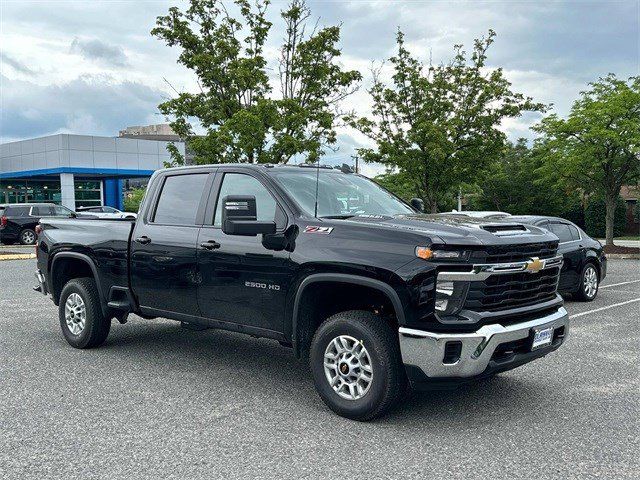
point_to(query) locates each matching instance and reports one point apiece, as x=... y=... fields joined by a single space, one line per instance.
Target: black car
x=18 y=221
x=585 y=264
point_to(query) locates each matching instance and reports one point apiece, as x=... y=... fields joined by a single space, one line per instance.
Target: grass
x=628 y=237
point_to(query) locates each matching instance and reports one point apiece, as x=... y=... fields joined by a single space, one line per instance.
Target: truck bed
x=105 y=241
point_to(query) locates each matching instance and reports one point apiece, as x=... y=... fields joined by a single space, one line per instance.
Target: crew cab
x=377 y=295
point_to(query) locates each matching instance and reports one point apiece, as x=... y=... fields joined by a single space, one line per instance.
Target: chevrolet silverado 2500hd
x=376 y=294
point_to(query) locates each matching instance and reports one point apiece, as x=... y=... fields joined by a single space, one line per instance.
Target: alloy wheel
x=590 y=282
x=347 y=367
x=75 y=313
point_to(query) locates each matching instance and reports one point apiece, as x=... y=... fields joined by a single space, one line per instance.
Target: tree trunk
x=610 y=204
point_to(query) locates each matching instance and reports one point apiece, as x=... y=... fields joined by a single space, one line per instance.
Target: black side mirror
x=73 y=215
x=240 y=217
x=418 y=204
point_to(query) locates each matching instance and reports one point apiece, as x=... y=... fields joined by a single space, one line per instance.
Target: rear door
x=164 y=271
x=242 y=282
x=572 y=252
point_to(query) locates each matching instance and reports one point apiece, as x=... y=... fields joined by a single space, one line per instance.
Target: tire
x=96 y=326
x=586 y=291
x=28 y=237
x=388 y=381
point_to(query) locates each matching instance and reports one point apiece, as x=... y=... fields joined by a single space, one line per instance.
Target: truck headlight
x=450 y=296
x=429 y=253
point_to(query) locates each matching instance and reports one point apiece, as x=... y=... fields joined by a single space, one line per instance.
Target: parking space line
x=604 y=308
x=621 y=283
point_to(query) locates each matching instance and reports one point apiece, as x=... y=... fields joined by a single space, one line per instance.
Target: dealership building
x=77 y=170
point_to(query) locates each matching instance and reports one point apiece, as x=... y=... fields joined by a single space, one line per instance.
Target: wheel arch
x=68 y=265
x=303 y=326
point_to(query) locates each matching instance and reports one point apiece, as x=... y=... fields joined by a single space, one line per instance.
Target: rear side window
x=562 y=231
x=575 y=235
x=17 y=211
x=179 y=199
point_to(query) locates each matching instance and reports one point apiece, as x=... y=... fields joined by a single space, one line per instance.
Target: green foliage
x=597 y=148
x=511 y=184
x=133 y=199
x=438 y=125
x=243 y=121
x=595 y=214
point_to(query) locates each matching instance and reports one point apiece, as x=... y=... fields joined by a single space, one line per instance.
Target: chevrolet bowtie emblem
x=534 y=265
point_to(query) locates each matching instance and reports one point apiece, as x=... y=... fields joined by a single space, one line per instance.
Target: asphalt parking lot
x=161 y=401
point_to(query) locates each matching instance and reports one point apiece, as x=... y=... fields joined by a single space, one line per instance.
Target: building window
x=27 y=190
x=88 y=193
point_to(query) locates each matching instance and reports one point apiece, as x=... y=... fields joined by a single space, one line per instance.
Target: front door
x=242 y=282
x=570 y=249
x=164 y=270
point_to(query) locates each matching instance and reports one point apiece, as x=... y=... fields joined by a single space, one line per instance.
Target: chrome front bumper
x=426 y=350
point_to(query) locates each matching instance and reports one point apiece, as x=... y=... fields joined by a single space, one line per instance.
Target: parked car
x=106 y=212
x=585 y=264
x=18 y=221
x=374 y=293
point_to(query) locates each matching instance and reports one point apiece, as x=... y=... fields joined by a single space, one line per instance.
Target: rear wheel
x=81 y=319
x=356 y=365
x=28 y=237
x=589 y=283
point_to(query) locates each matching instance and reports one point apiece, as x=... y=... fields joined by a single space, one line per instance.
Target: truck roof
x=303 y=167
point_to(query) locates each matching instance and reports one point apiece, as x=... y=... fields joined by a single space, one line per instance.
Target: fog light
x=450 y=296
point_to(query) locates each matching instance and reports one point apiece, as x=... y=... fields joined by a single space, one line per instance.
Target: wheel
x=28 y=237
x=589 y=282
x=356 y=365
x=83 y=324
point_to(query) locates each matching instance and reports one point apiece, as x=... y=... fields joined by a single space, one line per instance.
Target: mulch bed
x=620 y=249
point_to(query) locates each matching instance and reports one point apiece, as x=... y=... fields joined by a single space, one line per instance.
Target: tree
x=512 y=184
x=235 y=106
x=439 y=124
x=597 y=148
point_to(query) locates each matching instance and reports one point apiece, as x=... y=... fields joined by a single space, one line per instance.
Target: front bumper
x=427 y=352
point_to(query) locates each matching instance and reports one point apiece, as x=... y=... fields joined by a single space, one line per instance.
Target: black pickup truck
x=377 y=295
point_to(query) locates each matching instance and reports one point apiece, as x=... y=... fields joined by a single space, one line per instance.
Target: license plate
x=542 y=337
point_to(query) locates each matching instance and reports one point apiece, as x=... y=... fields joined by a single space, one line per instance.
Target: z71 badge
x=314 y=229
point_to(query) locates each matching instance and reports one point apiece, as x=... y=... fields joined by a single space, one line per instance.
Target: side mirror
x=240 y=217
x=418 y=204
x=73 y=215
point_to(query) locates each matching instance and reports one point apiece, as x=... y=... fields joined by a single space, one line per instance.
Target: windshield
x=340 y=195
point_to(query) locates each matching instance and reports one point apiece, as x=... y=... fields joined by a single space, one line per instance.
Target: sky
x=92 y=67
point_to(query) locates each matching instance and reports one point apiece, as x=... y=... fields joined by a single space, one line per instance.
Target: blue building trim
x=113 y=193
x=104 y=172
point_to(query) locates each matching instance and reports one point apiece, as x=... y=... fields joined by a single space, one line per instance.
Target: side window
x=543 y=224
x=60 y=211
x=562 y=231
x=241 y=184
x=179 y=199
x=574 y=232
x=42 y=211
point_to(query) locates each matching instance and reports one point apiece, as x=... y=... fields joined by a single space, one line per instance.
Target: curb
x=21 y=256
x=623 y=256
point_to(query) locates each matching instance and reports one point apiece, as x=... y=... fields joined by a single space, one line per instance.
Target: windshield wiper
x=337 y=217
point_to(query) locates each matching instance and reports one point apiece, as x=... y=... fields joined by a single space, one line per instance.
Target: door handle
x=210 y=245
x=144 y=240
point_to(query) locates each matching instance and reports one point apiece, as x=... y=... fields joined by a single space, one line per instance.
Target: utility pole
x=356 y=158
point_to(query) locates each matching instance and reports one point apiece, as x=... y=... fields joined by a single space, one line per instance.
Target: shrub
x=595 y=217
x=132 y=200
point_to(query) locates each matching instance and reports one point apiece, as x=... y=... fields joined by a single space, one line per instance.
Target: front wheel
x=81 y=319
x=356 y=365
x=589 y=283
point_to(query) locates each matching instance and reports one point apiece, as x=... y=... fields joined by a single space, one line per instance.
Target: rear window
x=179 y=199
x=574 y=232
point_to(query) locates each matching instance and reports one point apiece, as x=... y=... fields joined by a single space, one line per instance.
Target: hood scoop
x=505 y=230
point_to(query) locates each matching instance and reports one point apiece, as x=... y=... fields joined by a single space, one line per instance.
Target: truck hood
x=461 y=230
